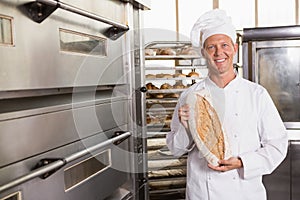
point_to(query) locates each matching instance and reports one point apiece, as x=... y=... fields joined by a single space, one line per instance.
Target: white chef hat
x=210 y=23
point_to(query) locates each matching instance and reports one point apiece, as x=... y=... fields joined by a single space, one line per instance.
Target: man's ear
x=203 y=52
x=236 y=47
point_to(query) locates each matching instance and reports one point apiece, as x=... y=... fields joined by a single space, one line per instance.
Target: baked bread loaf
x=150 y=52
x=161 y=75
x=177 y=75
x=150 y=86
x=193 y=74
x=178 y=85
x=166 y=86
x=166 y=51
x=206 y=128
x=172 y=95
x=188 y=50
x=150 y=76
x=159 y=96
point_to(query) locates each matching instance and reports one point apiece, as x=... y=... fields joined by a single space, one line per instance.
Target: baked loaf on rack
x=166 y=51
x=150 y=76
x=150 y=86
x=193 y=74
x=206 y=128
x=178 y=85
x=162 y=75
x=166 y=86
x=188 y=50
x=150 y=52
x=179 y=75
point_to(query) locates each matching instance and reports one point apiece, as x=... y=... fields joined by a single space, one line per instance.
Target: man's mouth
x=220 y=60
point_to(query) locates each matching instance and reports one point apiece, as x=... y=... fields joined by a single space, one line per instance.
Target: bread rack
x=167 y=174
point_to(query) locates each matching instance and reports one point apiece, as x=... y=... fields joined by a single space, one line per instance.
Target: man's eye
x=210 y=47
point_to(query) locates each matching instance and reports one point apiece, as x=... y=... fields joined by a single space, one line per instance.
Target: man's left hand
x=226 y=165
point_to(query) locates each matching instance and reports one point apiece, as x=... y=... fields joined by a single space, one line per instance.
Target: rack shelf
x=160 y=104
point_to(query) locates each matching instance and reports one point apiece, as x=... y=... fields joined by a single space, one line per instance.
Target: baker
x=255 y=133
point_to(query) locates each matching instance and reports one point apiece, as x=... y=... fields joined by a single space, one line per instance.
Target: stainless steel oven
x=271 y=58
x=70 y=127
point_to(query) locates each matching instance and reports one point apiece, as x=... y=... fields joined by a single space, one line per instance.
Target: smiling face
x=219 y=51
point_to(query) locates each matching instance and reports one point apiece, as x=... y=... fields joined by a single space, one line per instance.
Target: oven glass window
x=86 y=169
x=6 y=30
x=279 y=73
x=14 y=196
x=76 y=42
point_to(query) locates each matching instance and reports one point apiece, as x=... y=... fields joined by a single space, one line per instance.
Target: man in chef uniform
x=255 y=133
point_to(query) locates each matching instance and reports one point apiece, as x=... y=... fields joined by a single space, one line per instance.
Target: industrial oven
x=271 y=58
x=71 y=123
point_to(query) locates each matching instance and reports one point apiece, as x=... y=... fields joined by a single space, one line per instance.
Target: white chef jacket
x=255 y=133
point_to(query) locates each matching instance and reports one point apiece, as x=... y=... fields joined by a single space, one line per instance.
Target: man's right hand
x=184 y=114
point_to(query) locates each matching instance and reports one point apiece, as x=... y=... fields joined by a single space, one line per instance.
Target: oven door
x=89 y=169
x=66 y=49
x=275 y=65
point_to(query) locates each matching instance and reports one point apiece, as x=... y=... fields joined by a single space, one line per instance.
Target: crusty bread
x=179 y=75
x=166 y=51
x=150 y=52
x=166 y=86
x=209 y=127
x=206 y=128
x=159 y=96
x=190 y=51
x=193 y=74
x=161 y=75
x=178 y=85
x=150 y=86
x=150 y=76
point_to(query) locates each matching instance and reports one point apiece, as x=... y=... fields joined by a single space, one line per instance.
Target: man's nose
x=218 y=51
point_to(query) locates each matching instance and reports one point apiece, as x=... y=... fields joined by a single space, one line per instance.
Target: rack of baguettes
x=171 y=67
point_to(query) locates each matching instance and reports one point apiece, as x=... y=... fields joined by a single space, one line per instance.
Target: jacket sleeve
x=179 y=141
x=273 y=140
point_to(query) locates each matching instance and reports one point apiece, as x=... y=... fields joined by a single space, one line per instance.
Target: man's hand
x=184 y=114
x=226 y=165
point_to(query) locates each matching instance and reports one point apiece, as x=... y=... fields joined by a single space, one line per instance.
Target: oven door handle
x=39 y=10
x=50 y=167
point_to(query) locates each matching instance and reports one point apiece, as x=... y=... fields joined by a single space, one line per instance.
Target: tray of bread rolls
x=165 y=91
x=171 y=50
x=176 y=76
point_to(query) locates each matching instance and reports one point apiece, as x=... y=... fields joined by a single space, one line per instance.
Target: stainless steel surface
x=53 y=187
x=41 y=64
x=54 y=129
x=95 y=147
x=278 y=184
x=275 y=64
x=140 y=146
x=295 y=170
x=271 y=58
x=279 y=73
x=66 y=88
x=83 y=13
x=61 y=162
x=32 y=175
x=271 y=33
